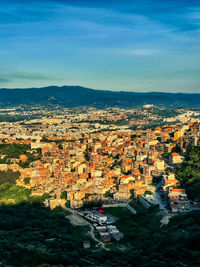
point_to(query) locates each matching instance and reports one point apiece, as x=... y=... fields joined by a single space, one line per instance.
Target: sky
x=127 y=45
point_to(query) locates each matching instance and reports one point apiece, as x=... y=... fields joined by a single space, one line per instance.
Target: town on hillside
x=79 y=156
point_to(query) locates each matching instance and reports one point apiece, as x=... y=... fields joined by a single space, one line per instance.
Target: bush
x=63 y=195
x=27 y=180
x=9 y=176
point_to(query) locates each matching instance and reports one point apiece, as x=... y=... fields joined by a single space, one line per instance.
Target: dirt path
x=74 y=218
x=92 y=234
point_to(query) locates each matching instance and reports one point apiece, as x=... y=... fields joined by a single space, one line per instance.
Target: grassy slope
x=10 y=193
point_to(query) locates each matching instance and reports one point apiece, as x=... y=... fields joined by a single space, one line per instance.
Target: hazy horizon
x=139 y=46
x=107 y=90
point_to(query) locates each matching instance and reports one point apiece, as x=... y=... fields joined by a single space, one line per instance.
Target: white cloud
x=136 y=52
x=143 y=52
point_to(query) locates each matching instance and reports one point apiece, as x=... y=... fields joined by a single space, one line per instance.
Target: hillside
x=188 y=173
x=32 y=235
x=71 y=96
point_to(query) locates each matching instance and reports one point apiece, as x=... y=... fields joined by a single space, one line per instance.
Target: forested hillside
x=72 y=96
x=32 y=235
x=188 y=173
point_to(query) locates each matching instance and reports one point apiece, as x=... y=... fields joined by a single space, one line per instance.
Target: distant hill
x=71 y=96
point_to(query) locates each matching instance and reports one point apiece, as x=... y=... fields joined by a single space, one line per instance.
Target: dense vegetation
x=11 y=118
x=8 y=176
x=11 y=193
x=177 y=244
x=165 y=113
x=31 y=235
x=188 y=173
x=13 y=150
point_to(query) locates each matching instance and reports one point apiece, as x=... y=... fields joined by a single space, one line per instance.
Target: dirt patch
x=77 y=220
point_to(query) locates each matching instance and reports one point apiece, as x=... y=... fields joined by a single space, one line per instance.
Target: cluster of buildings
x=91 y=160
x=103 y=224
x=178 y=200
x=108 y=233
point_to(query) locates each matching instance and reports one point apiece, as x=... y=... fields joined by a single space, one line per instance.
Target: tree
x=87 y=153
x=9 y=176
x=26 y=180
x=188 y=173
x=63 y=195
x=133 y=136
x=177 y=149
x=60 y=146
x=132 y=192
x=148 y=192
x=108 y=194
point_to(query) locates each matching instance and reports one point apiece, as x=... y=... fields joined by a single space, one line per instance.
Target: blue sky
x=138 y=45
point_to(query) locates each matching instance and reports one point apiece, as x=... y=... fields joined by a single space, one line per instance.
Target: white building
x=97 y=216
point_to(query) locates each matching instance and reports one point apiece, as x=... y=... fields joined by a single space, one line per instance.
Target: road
x=92 y=234
x=160 y=184
x=158 y=200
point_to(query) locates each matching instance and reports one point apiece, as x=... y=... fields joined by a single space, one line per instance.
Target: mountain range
x=72 y=96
